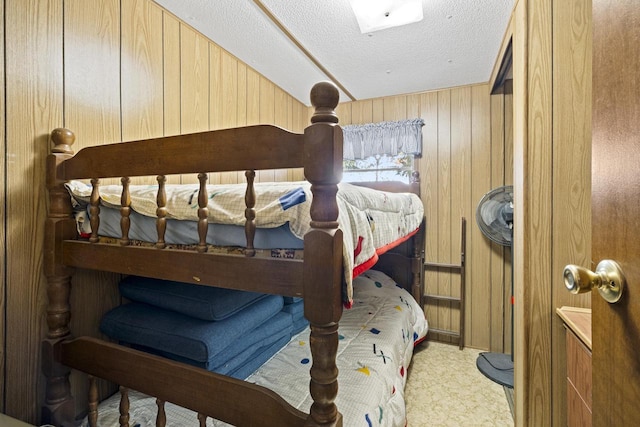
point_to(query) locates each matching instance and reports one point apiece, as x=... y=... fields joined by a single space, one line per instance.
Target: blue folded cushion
x=259 y=358
x=299 y=326
x=185 y=336
x=296 y=310
x=244 y=349
x=292 y=300
x=199 y=301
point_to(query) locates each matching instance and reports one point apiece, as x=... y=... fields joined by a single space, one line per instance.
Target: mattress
x=372 y=221
x=376 y=340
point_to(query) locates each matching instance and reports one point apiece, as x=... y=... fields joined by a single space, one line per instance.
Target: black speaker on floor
x=494 y=216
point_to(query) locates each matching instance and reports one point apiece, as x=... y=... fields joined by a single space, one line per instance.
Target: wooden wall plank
x=253 y=97
x=394 y=108
x=533 y=147
x=344 y=113
x=142 y=74
x=280 y=118
x=92 y=71
x=461 y=203
x=508 y=318
x=377 y=110
x=171 y=80
x=217 y=100
x=520 y=142
x=194 y=85
x=497 y=296
x=171 y=96
x=480 y=246
x=572 y=103
x=444 y=207
x=299 y=123
x=142 y=70
x=92 y=102
x=266 y=115
x=361 y=112
x=194 y=81
x=217 y=89
x=428 y=166
x=34 y=84
x=3 y=237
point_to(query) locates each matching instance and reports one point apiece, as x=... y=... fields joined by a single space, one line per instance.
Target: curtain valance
x=391 y=138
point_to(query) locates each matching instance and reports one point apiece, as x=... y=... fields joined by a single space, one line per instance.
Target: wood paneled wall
x=3 y=248
x=122 y=70
x=111 y=71
x=552 y=185
x=466 y=152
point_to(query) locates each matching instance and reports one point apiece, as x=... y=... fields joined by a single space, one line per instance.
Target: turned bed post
x=59 y=407
x=322 y=273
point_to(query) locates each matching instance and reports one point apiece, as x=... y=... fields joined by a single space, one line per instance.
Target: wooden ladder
x=454 y=268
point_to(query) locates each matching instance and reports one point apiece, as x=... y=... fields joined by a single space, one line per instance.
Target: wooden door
x=616 y=208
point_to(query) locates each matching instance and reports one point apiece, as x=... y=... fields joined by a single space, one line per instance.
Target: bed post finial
x=62 y=139
x=324 y=98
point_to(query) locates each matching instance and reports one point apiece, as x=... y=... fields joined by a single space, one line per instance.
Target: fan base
x=498 y=367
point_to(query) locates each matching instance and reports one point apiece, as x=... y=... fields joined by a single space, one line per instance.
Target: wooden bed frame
x=319 y=278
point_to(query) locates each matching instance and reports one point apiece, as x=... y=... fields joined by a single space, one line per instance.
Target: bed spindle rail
x=92 y=416
x=250 y=213
x=124 y=407
x=161 y=417
x=94 y=210
x=203 y=213
x=161 y=211
x=125 y=211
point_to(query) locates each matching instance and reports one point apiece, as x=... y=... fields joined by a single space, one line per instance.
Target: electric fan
x=494 y=216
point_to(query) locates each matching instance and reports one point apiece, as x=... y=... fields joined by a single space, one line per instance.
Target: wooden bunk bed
x=319 y=278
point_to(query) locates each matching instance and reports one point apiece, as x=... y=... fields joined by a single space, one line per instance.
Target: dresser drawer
x=578 y=414
x=579 y=367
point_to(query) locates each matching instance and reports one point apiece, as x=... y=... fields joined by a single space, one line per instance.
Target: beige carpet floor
x=445 y=388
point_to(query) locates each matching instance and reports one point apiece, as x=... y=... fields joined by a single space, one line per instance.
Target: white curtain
x=391 y=138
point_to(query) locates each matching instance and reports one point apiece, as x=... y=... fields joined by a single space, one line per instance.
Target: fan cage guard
x=500 y=195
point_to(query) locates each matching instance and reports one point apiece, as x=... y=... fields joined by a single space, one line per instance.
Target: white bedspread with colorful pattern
x=377 y=337
x=371 y=221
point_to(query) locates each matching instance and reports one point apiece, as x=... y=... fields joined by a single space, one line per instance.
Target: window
x=382 y=151
x=379 y=167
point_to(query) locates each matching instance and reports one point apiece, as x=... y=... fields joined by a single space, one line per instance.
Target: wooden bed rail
x=277 y=276
x=201 y=391
x=253 y=147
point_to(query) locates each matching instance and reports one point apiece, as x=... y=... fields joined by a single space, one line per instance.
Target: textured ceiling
x=456 y=43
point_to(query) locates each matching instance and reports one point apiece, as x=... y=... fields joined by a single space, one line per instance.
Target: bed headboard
x=404 y=263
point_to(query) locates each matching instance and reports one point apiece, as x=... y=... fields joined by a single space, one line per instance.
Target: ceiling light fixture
x=375 y=15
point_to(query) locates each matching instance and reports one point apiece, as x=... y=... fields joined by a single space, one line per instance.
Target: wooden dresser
x=578 y=336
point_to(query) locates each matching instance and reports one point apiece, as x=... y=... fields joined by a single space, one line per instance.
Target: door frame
x=552 y=193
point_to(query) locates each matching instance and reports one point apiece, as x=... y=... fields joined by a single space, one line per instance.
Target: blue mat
x=185 y=336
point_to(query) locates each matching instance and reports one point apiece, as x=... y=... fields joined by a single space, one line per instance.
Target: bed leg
x=324 y=377
x=59 y=406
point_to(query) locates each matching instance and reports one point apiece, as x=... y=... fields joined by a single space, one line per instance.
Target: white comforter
x=371 y=221
x=377 y=337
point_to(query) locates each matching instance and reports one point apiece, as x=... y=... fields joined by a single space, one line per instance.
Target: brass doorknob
x=608 y=279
